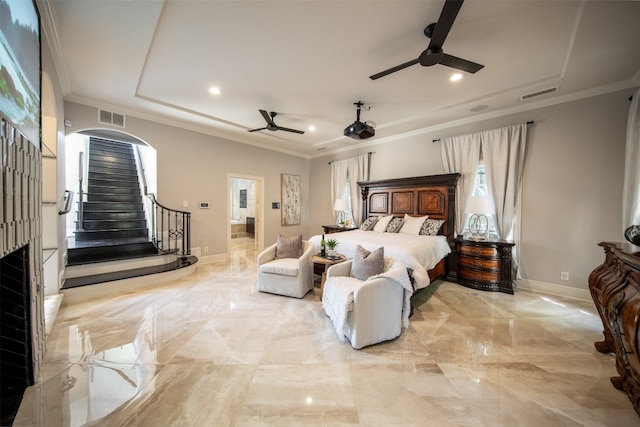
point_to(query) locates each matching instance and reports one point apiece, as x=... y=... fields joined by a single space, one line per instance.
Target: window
x=480 y=189
x=348 y=215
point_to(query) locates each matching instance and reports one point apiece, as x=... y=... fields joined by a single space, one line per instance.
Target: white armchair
x=376 y=308
x=291 y=277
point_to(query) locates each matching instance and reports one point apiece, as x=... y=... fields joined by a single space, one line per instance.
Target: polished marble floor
x=210 y=350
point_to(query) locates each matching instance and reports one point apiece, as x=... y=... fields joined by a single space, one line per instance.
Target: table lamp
x=480 y=208
x=341 y=206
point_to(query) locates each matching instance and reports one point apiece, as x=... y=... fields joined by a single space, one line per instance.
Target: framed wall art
x=243 y=198
x=290 y=199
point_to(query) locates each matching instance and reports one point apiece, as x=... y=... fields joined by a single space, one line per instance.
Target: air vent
x=109 y=118
x=538 y=93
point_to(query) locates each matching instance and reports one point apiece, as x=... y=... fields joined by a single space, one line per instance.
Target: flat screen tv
x=20 y=79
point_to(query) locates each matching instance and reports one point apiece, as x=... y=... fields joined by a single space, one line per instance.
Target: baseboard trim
x=553 y=289
x=212 y=258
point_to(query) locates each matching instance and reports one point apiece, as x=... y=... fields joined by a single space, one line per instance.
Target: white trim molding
x=553 y=289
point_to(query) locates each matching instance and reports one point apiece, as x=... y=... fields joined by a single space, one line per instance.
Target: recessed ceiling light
x=214 y=90
x=455 y=77
x=312 y=128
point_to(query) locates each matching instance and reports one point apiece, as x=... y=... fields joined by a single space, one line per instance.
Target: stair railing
x=81 y=167
x=148 y=205
x=68 y=202
x=171 y=229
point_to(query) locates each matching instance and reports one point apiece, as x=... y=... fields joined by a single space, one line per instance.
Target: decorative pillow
x=368 y=223
x=394 y=225
x=431 y=227
x=366 y=264
x=412 y=224
x=289 y=247
x=381 y=225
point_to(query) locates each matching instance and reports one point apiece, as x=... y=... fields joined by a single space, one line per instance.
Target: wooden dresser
x=484 y=265
x=615 y=289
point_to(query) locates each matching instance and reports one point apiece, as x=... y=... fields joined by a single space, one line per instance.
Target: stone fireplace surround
x=20 y=243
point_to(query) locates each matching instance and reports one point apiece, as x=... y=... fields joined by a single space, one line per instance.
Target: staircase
x=111 y=225
x=113 y=209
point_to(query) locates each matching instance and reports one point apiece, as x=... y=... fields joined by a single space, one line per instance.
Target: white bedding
x=420 y=253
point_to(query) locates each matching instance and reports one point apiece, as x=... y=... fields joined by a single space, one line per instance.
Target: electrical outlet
x=206 y=249
x=564 y=275
x=185 y=203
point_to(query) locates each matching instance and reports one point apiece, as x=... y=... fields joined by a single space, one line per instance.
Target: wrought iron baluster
x=176 y=225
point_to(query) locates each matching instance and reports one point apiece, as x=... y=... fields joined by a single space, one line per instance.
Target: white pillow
x=412 y=224
x=381 y=224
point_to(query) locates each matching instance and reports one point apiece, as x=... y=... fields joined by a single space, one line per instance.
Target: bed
x=425 y=256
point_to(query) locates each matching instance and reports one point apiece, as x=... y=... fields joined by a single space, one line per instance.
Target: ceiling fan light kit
x=434 y=54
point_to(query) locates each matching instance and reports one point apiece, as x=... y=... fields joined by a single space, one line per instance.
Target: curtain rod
x=369 y=153
x=529 y=123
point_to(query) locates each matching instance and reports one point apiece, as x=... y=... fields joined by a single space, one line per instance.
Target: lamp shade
x=341 y=205
x=479 y=205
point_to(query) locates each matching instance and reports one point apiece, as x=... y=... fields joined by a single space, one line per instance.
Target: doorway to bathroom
x=245 y=212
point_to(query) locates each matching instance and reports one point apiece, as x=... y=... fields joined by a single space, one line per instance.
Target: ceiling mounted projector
x=358 y=129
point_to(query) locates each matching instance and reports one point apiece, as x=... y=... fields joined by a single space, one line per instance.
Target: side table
x=485 y=264
x=324 y=263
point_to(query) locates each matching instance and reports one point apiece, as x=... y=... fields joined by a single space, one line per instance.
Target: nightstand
x=329 y=229
x=484 y=264
x=324 y=263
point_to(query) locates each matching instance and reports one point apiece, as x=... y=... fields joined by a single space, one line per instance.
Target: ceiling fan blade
x=394 y=69
x=460 y=64
x=267 y=117
x=254 y=130
x=447 y=16
x=290 y=130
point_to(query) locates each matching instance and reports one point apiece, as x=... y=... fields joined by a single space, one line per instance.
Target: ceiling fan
x=433 y=55
x=271 y=125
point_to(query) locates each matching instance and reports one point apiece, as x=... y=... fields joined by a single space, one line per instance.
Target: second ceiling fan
x=434 y=54
x=271 y=125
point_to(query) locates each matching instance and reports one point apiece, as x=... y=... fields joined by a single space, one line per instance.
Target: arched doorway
x=77 y=147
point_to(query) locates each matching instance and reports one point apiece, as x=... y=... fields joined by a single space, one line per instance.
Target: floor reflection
x=211 y=350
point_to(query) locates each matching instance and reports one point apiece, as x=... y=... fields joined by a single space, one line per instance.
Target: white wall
x=572 y=194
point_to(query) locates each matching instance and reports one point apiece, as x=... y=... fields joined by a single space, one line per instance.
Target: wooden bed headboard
x=433 y=195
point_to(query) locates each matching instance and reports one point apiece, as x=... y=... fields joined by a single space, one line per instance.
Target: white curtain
x=504 y=154
x=355 y=169
x=461 y=154
x=339 y=172
x=358 y=171
x=503 y=151
x=631 y=186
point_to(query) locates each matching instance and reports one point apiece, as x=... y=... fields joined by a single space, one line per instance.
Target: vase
x=331 y=252
x=632 y=234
